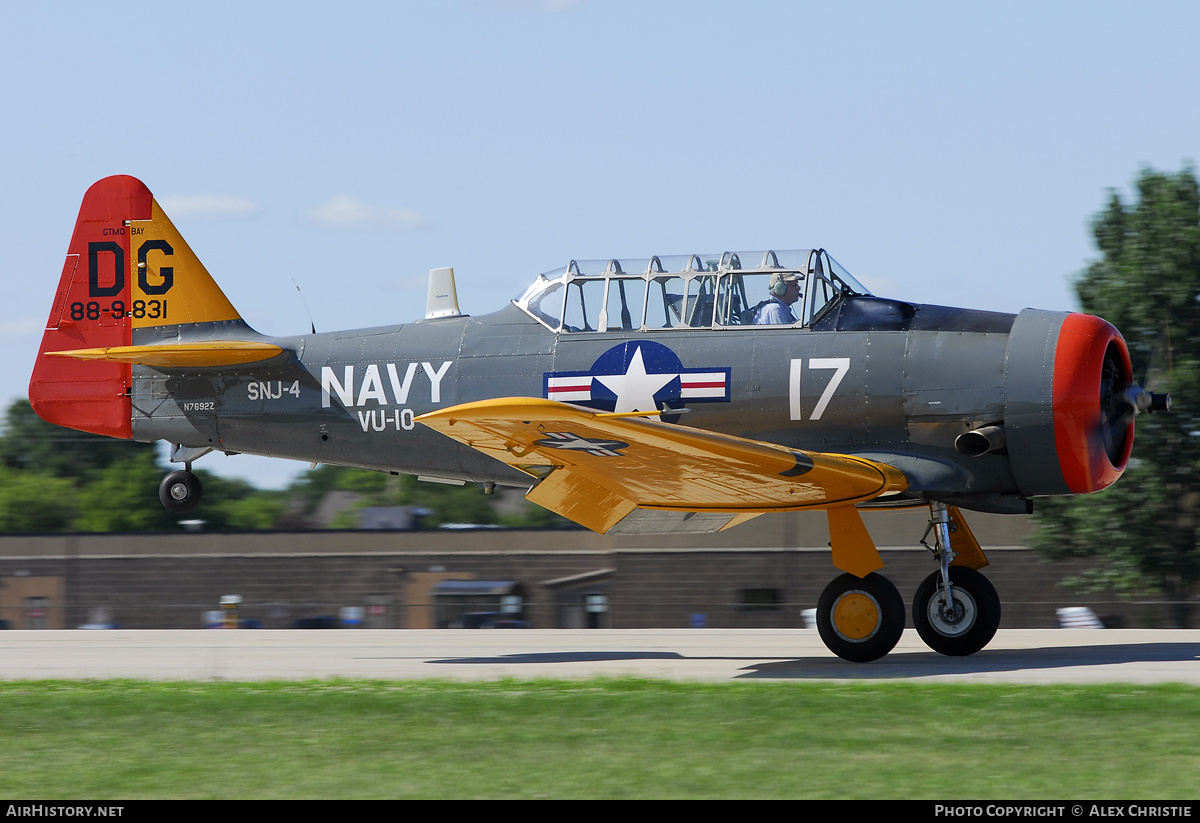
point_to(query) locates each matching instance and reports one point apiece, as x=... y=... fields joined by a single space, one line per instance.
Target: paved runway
x=1014 y=656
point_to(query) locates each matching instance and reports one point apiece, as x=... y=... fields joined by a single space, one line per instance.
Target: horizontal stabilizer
x=203 y=354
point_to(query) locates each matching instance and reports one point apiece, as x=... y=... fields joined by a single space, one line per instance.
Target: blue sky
x=946 y=153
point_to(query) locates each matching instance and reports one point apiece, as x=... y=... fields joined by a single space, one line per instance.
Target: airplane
x=630 y=396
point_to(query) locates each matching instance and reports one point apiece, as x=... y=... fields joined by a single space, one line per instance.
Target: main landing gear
x=956 y=610
x=860 y=618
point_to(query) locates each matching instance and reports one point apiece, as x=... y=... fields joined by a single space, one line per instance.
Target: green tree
x=123 y=497
x=311 y=486
x=31 y=502
x=56 y=479
x=31 y=444
x=236 y=505
x=1143 y=530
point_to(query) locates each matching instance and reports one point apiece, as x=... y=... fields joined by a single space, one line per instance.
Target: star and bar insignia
x=575 y=442
x=638 y=376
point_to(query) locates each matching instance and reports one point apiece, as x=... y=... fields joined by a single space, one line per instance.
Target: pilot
x=785 y=290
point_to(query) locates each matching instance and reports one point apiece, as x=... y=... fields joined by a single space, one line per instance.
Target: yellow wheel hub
x=856 y=616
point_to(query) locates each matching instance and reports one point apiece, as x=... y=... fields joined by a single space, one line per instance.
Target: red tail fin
x=92 y=308
x=128 y=272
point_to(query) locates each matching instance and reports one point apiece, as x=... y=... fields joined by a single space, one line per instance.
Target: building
x=762 y=574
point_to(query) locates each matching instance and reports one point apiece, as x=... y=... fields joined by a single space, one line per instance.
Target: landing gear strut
x=180 y=491
x=956 y=609
x=860 y=618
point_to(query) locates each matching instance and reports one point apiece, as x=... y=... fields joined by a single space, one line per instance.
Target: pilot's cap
x=780 y=280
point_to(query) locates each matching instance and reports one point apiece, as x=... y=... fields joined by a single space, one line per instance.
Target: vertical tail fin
x=127 y=273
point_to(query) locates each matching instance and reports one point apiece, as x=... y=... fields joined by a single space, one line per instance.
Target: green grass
x=596 y=739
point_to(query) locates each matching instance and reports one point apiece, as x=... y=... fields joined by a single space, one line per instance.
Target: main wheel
x=180 y=491
x=966 y=628
x=860 y=618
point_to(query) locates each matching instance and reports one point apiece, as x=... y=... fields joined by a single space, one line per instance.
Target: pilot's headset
x=779 y=283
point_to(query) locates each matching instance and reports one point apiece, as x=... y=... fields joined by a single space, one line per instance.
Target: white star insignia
x=635 y=389
x=573 y=442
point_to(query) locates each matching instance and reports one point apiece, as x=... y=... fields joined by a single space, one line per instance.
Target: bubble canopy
x=697 y=291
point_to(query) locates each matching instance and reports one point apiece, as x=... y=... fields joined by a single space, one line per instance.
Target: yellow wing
x=620 y=473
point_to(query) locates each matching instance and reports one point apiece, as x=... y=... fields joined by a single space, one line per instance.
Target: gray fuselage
x=874 y=377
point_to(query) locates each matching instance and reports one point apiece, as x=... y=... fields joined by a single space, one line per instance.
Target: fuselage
x=892 y=381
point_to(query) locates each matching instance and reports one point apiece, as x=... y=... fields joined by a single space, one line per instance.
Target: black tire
x=860 y=618
x=976 y=617
x=180 y=491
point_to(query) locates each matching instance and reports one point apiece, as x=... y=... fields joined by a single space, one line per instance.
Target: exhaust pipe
x=981 y=441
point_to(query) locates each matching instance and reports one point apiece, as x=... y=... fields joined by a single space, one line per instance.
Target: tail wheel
x=969 y=624
x=180 y=491
x=860 y=618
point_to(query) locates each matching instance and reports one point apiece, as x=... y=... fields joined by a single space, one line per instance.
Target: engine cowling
x=1068 y=417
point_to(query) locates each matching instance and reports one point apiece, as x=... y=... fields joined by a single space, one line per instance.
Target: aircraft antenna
x=306 y=308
